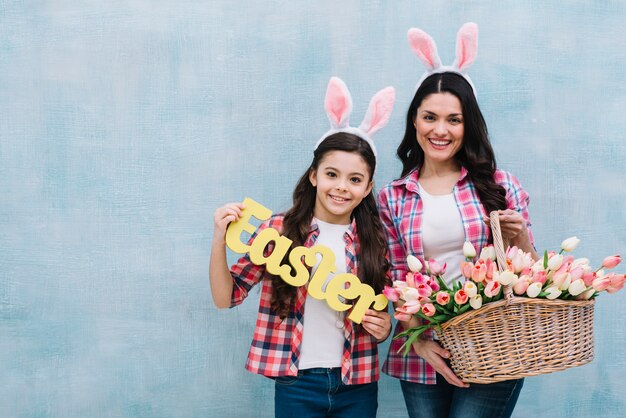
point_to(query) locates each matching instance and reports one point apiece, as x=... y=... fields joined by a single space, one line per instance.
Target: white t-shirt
x=322 y=333
x=443 y=234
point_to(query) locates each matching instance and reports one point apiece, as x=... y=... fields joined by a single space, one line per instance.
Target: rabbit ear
x=378 y=111
x=338 y=103
x=424 y=47
x=466 y=46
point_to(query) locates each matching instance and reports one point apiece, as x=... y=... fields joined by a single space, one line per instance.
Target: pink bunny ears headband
x=338 y=106
x=426 y=50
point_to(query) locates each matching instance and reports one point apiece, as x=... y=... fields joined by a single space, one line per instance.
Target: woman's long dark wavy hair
x=372 y=262
x=476 y=154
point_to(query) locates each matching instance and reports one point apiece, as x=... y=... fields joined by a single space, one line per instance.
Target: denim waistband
x=320 y=370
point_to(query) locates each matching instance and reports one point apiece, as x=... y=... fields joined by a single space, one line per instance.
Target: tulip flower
x=432 y=284
x=540 y=277
x=424 y=291
x=399 y=284
x=537 y=267
x=492 y=269
x=576 y=273
x=522 y=285
x=553 y=292
x=611 y=262
x=586 y=295
x=562 y=280
x=468 y=250
x=617 y=283
x=406 y=311
x=492 y=288
x=518 y=259
x=435 y=268
x=443 y=298
x=601 y=283
x=466 y=269
x=410 y=294
x=488 y=253
x=470 y=288
x=554 y=262
x=582 y=262
x=414 y=263
x=534 y=289
x=476 y=301
x=569 y=244
x=511 y=252
x=589 y=277
x=392 y=294
x=428 y=309
x=577 y=287
x=479 y=273
x=460 y=297
x=410 y=279
x=506 y=277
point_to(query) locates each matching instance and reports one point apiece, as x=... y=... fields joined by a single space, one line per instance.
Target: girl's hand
x=434 y=355
x=377 y=323
x=225 y=215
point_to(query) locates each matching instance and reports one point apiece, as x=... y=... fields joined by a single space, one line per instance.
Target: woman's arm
x=515 y=219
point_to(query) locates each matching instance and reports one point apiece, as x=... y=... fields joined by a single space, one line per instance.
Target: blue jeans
x=319 y=392
x=445 y=400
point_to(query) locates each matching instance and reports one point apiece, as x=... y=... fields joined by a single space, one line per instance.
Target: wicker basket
x=518 y=337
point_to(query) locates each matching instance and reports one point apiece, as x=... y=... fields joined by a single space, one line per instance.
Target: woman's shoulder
x=506 y=179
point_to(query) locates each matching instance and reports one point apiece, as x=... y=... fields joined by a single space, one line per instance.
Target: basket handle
x=498 y=245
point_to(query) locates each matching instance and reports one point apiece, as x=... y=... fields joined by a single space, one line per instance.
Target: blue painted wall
x=124 y=124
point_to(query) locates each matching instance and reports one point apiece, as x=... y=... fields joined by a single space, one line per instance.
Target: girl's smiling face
x=439 y=127
x=342 y=181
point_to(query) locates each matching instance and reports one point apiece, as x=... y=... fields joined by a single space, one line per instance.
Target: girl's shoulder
x=275 y=222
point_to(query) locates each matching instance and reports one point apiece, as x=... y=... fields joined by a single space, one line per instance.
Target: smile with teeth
x=439 y=142
x=338 y=199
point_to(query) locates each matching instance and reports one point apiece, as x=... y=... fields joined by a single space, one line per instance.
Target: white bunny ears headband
x=338 y=106
x=426 y=50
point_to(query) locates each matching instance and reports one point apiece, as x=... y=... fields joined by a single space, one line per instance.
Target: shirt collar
x=410 y=181
x=350 y=232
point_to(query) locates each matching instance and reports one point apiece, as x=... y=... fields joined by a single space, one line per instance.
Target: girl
x=448 y=185
x=322 y=363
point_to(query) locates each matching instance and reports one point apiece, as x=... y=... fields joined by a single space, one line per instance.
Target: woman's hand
x=377 y=323
x=434 y=354
x=512 y=224
x=514 y=230
x=225 y=215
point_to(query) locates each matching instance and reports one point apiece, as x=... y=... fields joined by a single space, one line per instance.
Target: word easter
x=344 y=285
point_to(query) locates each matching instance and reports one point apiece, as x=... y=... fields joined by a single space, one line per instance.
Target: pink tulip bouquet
x=555 y=276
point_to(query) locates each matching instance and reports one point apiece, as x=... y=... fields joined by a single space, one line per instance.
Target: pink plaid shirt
x=275 y=349
x=400 y=209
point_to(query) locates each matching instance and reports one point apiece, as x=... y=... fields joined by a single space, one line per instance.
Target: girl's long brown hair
x=372 y=262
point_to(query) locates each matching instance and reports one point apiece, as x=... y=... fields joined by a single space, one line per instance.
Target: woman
x=448 y=186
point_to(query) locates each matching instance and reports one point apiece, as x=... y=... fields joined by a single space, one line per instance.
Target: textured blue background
x=124 y=124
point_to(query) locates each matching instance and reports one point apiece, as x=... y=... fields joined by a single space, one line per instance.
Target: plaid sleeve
x=246 y=274
x=516 y=197
x=396 y=252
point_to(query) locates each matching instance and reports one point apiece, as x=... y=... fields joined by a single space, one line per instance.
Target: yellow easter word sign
x=345 y=285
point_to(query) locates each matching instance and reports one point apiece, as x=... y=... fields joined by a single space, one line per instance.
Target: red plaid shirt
x=400 y=209
x=275 y=349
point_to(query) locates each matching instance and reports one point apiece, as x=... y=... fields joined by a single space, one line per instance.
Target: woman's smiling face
x=439 y=127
